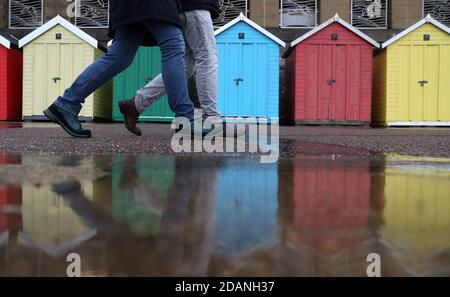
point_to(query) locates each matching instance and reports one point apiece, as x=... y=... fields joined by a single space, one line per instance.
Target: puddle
x=307 y=215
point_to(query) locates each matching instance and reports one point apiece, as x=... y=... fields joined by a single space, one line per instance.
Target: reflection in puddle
x=189 y=216
x=5 y=125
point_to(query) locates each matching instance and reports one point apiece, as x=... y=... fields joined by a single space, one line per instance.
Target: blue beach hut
x=249 y=63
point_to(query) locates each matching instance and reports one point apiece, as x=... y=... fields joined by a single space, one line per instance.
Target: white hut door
x=46 y=67
x=53 y=78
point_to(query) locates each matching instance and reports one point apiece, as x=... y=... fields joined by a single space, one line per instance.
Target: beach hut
x=329 y=75
x=54 y=55
x=412 y=72
x=10 y=81
x=249 y=65
x=145 y=67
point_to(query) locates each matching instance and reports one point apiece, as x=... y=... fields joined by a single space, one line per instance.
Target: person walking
x=132 y=23
x=201 y=59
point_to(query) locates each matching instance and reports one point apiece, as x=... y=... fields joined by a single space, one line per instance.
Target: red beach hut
x=10 y=81
x=329 y=75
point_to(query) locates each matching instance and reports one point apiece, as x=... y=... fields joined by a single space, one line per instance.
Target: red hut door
x=338 y=82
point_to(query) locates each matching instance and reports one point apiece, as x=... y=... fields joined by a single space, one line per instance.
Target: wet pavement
x=319 y=211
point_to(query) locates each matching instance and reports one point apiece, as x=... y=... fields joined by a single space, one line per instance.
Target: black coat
x=123 y=12
x=211 y=5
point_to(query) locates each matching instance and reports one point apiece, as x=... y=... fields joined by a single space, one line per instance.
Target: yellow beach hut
x=54 y=55
x=411 y=75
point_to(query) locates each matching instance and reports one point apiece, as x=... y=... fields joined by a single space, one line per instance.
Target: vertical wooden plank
x=431 y=89
x=339 y=88
x=444 y=78
x=354 y=83
x=312 y=81
x=325 y=70
x=416 y=90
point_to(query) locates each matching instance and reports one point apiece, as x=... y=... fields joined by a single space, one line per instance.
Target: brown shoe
x=131 y=116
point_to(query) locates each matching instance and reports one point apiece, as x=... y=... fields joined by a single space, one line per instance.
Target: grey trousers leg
x=201 y=58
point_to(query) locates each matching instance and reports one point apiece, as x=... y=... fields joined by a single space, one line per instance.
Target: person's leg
x=119 y=56
x=132 y=108
x=64 y=111
x=199 y=34
x=171 y=43
x=155 y=89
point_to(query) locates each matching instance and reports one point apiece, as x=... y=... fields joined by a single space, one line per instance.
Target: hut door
x=422 y=88
x=244 y=91
x=46 y=88
x=339 y=82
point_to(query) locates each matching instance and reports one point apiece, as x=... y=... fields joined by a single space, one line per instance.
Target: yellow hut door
x=64 y=62
x=419 y=95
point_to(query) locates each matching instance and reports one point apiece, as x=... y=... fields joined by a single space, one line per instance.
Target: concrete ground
x=113 y=138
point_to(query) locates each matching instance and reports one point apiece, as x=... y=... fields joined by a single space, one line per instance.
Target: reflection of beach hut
x=246 y=211
x=329 y=75
x=145 y=67
x=10 y=81
x=54 y=55
x=417 y=218
x=139 y=191
x=10 y=201
x=331 y=204
x=249 y=61
x=49 y=223
x=411 y=77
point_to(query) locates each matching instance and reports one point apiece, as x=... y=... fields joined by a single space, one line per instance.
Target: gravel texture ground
x=113 y=138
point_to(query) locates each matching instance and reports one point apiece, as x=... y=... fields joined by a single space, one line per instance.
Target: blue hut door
x=243 y=88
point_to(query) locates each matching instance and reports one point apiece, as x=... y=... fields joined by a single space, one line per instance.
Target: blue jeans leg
x=171 y=42
x=120 y=55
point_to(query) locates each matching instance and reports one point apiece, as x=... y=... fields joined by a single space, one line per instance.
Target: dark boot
x=131 y=116
x=68 y=121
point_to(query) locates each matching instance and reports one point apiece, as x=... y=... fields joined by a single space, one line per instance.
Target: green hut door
x=146 y=66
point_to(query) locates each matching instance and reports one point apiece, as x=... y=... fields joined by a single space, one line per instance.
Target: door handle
x=331 y=81
x=238 y=80
x=423 y=82
x=55 y=79
x=148 y=79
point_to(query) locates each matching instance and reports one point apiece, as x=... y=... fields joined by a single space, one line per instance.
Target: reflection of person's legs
x=171 y=43
x=120 y=55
